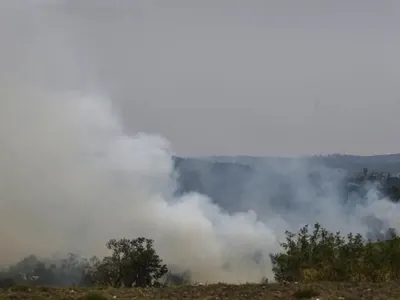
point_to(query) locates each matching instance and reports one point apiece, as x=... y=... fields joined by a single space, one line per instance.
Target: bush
x=133 y=262
x=22 y=288
x=93 y=296
x=6 y=283
x=325 y=256
x=178 y=278
x=306 y=293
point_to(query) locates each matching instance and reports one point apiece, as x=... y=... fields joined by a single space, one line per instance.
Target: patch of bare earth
x=322 y=291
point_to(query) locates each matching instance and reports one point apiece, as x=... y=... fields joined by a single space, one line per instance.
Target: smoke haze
x=73 y=177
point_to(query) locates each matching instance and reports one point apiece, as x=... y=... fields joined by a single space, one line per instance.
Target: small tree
x=132 y=262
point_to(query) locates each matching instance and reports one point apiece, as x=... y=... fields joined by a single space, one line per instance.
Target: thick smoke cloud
x=72 y=177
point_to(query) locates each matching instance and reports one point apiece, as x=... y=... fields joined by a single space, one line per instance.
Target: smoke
x=72 y=177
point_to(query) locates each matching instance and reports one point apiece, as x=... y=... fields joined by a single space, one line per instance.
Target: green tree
x=132 y=262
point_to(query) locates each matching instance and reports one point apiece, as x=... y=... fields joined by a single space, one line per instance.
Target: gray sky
x=223 y=77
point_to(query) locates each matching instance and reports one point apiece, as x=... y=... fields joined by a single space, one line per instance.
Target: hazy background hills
x=350 y=163
x=240 y=183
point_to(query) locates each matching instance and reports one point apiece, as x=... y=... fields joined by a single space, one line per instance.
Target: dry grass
x=322 y=291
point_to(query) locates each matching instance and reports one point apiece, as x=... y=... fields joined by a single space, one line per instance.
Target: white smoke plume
x=72 y=177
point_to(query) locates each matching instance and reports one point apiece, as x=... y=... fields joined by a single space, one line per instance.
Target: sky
x=223 y=77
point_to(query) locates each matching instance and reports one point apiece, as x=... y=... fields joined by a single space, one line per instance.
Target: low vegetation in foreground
x=313 y=264
x=321 y=290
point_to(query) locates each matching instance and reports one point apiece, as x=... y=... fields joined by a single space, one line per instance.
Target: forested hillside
x=238 y=183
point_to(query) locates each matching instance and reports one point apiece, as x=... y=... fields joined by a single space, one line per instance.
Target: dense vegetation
x=325 y=256
x=131 y=263
x=231 y=182
x=308 y=256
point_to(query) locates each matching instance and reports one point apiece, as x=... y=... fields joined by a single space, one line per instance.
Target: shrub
x=325 y=256
x=22 y=288
x=93 y=296
x=178 y=278
x=306 y=293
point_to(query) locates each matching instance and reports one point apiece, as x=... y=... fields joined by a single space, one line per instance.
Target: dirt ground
x=322 y=291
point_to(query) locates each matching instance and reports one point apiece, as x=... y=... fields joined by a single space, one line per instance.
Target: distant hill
x=379 y=163
x=242 y=182
x=351 y=163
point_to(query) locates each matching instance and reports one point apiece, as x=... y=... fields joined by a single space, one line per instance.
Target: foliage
x=93 y=296
x=325 y=256
x=21 y=288
x=6 y=283
x=305 y=293
x=35 y=271
x=132 y=262
x=394 y=192
x=178 y=278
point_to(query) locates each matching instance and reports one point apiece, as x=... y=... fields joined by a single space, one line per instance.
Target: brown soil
x=322 y=291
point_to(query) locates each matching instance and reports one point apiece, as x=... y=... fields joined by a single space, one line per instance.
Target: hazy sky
x=222 y=77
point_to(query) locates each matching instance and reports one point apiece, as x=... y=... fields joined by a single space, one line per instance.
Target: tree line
x=133 y=262
x=307 y=256
x=387 y=184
